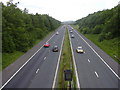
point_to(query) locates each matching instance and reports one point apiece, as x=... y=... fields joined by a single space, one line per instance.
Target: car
x=71 y=31
x=79 y=49
x=55 y=48
x=57 y=33
x=46 y=44
x=72 y=36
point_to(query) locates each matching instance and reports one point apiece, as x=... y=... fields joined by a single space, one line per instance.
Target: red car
x=46 y=44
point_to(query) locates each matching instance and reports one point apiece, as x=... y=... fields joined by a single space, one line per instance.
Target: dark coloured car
x=55 y=49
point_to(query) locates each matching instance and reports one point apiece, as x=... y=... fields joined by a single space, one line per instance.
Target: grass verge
x=66 y=62
x=7 y=59
x=109 y=46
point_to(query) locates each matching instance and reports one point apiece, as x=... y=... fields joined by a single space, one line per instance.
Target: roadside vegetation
x=109 y=46
x=102 y=28
x=8 y=58
x=66 y=63
x=21 y=31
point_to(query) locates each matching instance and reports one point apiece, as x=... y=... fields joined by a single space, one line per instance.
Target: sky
x=65 y=10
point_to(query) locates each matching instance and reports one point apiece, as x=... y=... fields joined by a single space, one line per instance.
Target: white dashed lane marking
x=44 y=58
x=37 y=70
x=96 y=74
x=88 y=60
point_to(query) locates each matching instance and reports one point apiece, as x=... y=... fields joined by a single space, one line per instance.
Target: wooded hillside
x=105 y=23
x=20 y=29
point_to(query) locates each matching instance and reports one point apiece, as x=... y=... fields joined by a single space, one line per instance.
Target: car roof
x=79 y=46
x=55 y=46
x=46 y=43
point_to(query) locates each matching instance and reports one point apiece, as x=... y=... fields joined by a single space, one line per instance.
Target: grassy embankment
x=108 y=46
x=8 y=58
x=66 y=62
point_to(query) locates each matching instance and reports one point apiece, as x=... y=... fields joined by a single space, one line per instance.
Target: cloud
x=66 y=9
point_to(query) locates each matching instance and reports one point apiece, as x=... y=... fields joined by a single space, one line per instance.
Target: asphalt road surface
x=92 y=71
x=39 y=72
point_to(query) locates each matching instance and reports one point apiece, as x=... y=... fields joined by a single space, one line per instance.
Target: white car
x=57 y=33
x=79 y=49
x=72 y=36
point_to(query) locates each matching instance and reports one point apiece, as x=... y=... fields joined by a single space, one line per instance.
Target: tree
x=104 y=22
x=97 y=29
x=21 y=29
x=7 y=43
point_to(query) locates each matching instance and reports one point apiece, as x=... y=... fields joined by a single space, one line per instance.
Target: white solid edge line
x=78 y=84
x=53 y=86
x=99 y=57
x=22 y=66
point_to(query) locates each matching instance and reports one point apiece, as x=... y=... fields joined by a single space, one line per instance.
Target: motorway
x=39 y=72
x=92 y=72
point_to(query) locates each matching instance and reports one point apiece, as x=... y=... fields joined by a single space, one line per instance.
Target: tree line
x=104 y=23
x=20 y=30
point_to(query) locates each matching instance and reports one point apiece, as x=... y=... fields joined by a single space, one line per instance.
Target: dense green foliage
x=103 y=28
x=104 y=23
x=21 y=29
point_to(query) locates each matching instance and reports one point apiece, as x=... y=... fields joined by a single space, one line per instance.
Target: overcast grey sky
x=65 y=10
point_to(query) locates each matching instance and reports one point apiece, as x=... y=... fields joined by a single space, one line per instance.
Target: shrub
x=97 y=29
x=101 y=37
x=108 y=36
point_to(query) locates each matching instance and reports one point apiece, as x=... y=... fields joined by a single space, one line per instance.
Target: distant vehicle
x=55 y=49
x=79 y=49
x=57 y=33
x=71 y=31
x=72 y=36
x=46 y=44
